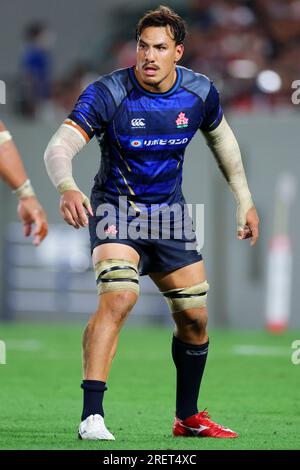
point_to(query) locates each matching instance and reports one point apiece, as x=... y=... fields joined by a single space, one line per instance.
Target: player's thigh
x=182 y=277
x=123 y=299
x=115 y=251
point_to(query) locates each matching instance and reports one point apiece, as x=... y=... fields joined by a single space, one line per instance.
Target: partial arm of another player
x=13 y=172
x=62 y=148
x=226 y=150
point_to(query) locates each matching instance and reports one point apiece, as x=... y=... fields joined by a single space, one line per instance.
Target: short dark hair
x=163 y=16
x=34 y=30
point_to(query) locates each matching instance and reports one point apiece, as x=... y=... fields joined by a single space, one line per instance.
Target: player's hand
x=31 y=212
x=251 y=227
x=74 y=207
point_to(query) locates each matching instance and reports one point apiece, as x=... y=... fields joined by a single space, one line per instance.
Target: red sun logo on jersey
x=182 y=120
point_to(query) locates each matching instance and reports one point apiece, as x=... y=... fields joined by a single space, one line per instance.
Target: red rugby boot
x=200 y=425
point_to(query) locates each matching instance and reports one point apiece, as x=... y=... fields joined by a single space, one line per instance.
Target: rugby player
x=13 y=172
x=143 y=118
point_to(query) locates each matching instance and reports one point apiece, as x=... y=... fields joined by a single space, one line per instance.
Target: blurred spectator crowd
x=251 y=49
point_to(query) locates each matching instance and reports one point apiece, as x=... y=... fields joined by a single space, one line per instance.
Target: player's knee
x=194 y=321
x=114 y=308
x=198 y=324
x=121 y=304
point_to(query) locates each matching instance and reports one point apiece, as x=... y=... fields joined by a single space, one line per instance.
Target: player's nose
x=149 y=54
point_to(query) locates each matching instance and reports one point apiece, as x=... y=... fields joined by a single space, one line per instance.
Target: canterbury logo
x=138 y=122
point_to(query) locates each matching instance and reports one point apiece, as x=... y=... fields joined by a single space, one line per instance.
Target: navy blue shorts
x=164 y=252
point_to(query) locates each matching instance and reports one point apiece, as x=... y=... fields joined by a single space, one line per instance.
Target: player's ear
x=179 y=52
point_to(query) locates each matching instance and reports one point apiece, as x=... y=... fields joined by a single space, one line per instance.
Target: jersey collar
x=150 y=93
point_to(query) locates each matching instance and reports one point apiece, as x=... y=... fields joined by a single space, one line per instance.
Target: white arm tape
x=25 y=190
x=5 y=136
x=226 y=150
x=62 y=148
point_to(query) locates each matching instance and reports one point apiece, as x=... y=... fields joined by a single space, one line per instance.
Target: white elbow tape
x=62 y=148
x=226 y=150
x=25 y=190
x=5 y=136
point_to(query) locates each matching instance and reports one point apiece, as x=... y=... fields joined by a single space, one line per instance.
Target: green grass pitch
x=250 y=385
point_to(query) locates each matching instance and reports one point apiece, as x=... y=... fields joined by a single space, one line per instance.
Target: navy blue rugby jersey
x=143 y=135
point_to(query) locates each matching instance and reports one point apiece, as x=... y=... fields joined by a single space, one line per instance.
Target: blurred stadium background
x=251 y=50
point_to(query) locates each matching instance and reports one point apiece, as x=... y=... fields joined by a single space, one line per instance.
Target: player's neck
x=161 y=87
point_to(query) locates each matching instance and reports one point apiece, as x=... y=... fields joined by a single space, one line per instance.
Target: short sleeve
x=93 y=109
x=213 y=112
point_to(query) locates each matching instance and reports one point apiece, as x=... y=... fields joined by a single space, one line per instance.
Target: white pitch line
x=23 y=344
x=254 y=350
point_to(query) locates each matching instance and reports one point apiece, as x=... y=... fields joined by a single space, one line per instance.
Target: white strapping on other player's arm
x=26 y=189
x=67 y=141
x=226 y=150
